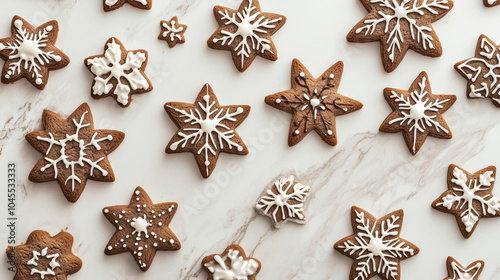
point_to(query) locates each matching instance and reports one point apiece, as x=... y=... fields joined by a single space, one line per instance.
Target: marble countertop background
x=369 y=169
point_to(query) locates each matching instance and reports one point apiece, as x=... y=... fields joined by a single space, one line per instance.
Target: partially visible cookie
x=45 y=257
x=110 y=5
x=491 y=3
x=230 y=265
x=457 y=272
x=172 y=32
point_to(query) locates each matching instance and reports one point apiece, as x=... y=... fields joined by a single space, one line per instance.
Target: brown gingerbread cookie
x=314 y=103
x=231 y=264
x=45 y=257
x=141 y=228
x=31 y=52
x=110 y=5
x=491 y=3
x=172 y=32
x=73 y=151
x=457 y=272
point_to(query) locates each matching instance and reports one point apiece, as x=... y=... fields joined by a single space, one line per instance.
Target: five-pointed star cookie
x=172 y=32
x=31 y=52
x=469 y=197
x=141 y=228
x=457 y=272
x=231 y=264
x=314 y=103
x=417 y=113
x=206 y=128
x=376 y=247
x=45 y=257
x=110 y=5
x=246 y=32
x=491 y=3
x=481 y=71
x=400 y=25
x=73 y=151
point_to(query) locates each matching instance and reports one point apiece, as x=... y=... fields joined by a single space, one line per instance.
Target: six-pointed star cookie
x=31 y=52
x=118 y=73
x=206 y=128
x=73 y=151
x=491 y=3
x=314 y=103
x=469 y=197
x=376 y=246
x=400 y=25
x=141 y=228
x=457 y=272
x=231 y=264
x=481 y=71
x=417 y=113
x=45 y=257
x=172 y=32
x=110 y=5
x=246 y=32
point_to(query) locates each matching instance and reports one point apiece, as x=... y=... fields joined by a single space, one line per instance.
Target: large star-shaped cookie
x=73 y=151
x=31 y=52
x=141 y=228
x=376 y=246
x=400 y=25
x=246 y=32
x=417 y=113
x=110 y=5
x=314 y=103
x=206 y=129
x=457 y=272
x=231 y=264
x=469 y=197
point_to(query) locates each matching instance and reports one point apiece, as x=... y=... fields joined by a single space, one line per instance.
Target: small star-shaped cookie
x=110 y=5
x=457 y=272
x=417 y=113
x=481 y=71
x=246 y=32
x=206 y=129
x=231 y=264
x=31 y=52
x=491 y=3
x=376 y=246
x=469 y=197
x=400 y=25
x=141 y=228
x=45 y=257
x=172 y=32
x=73 y=151
x=314 y=103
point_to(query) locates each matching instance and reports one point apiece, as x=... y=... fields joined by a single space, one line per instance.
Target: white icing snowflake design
x=51 y=266
x=240 y=268
x=171 y=31
x=285 y=198
x=459 y=273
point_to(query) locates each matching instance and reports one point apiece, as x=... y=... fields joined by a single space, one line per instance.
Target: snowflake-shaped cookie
x=469 y=197
x=376 y=246
x=314 y=103
x=457 y=272
x=246 y=32
x=172 y=32
x=141 y=228
x=118 y=73
x=417 y=112
x=206 y=128
x=30 y=53
x=400 y=25
x=45 y=257
x=230 y=265
x=491 y=3
x=483 y=71
x=110 y=5
x=73 y=151
x=284 y=201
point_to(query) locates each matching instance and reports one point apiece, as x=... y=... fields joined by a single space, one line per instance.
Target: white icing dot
x=123 y=211
x=137 y=192
x=239 y=110
x=331 y=76
x=302 y=74
x=296 y=132
x=38 y=81
x=120 y=228
x=155 y=244
x=49 y=28
x=144 y=205
x=18 y=23
x=110 y=248
x=173 y=147
x=160 y=224
x=278 y=101
x=207 y=163
x=240 y=148
x=124 y=245
x=329 y=132
x=171 y=242
x=206 y=97
x=139 y=254
x=106 y=211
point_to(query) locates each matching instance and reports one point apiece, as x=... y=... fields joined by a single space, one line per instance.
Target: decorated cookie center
x=400 y=11
x=36 y=261
x=417 y=111
x=376 y=246
x=72 y=150
x=28 y=50
x=140 y=225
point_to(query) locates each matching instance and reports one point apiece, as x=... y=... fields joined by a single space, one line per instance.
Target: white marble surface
x=369 y=169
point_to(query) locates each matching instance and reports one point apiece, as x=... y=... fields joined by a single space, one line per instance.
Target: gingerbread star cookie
x=45 y=257
x=118 y=73
x=491 y=3
x=457 y=272
x=31 y=53
x=314 y=103
x=141 y=228
x=73 y=151
x=110 y=5
x=400 y=25
x=246 y=32
x=417 y=112
x=172 y=32
x=206 y=129
x=376 y=247
x=231 y=264
x=284 y=201
x=469 y=197
x=481 y=71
